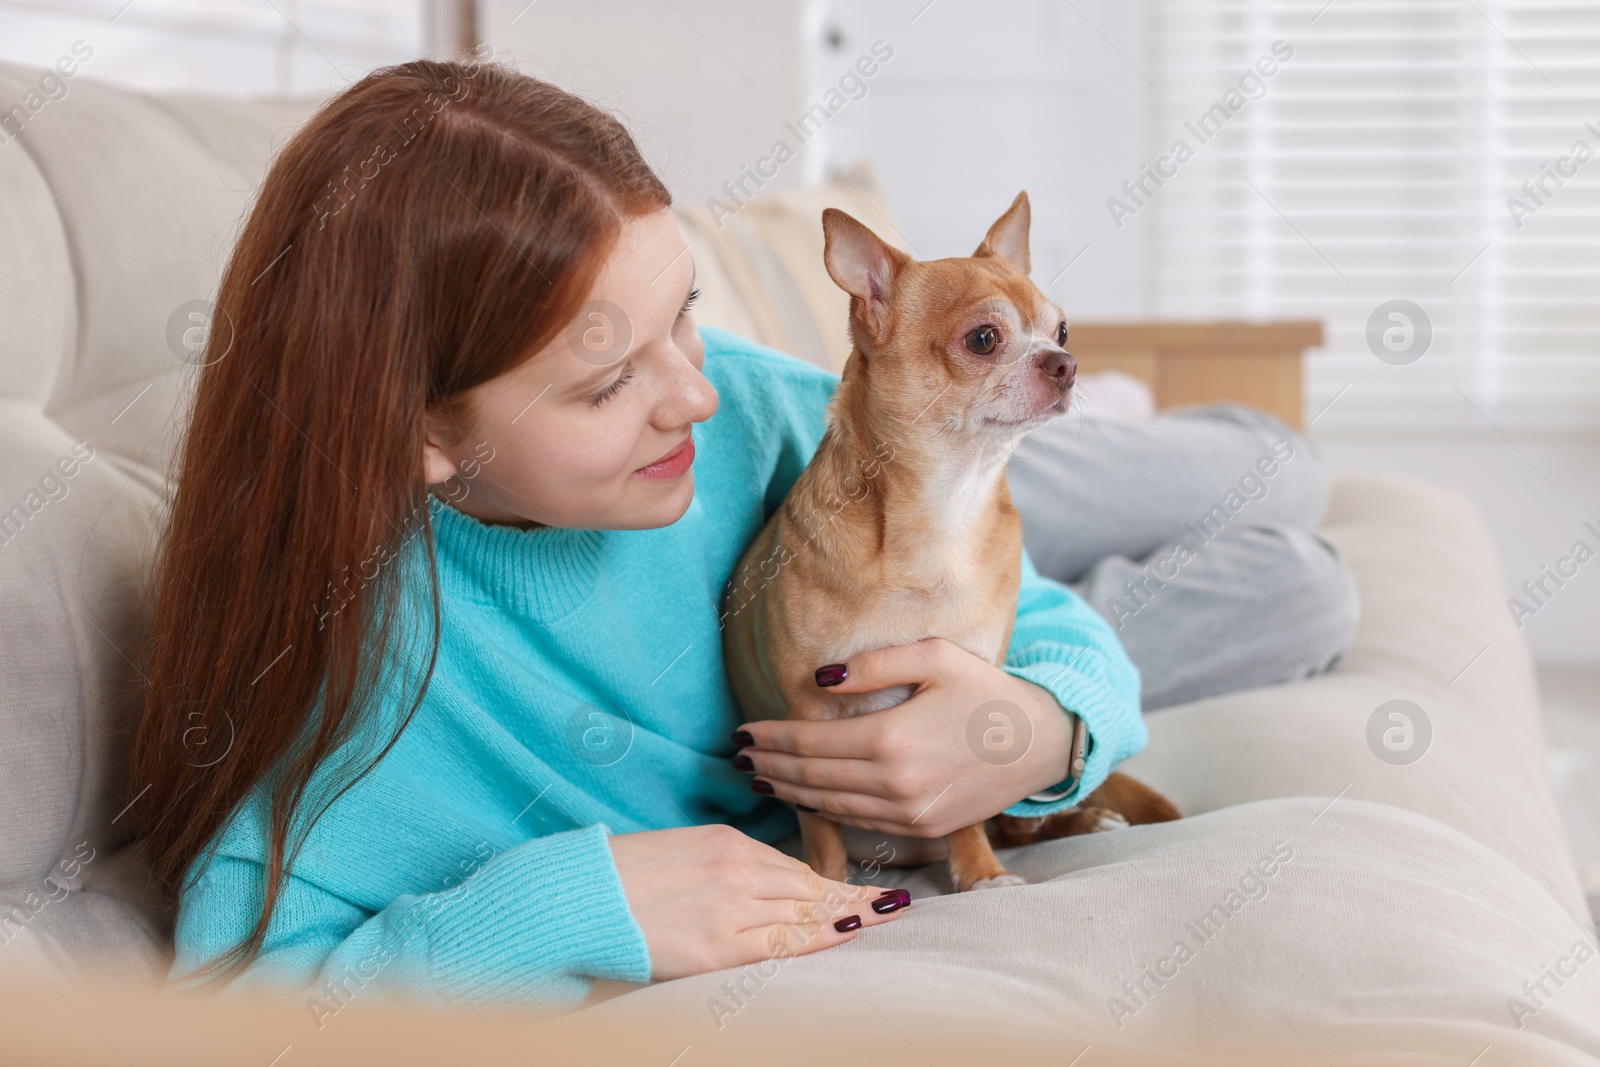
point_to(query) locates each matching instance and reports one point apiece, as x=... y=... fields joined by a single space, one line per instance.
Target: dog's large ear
x=1008 y=237
x=863 y=265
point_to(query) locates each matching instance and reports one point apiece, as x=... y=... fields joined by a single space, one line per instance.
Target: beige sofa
x=1416 y=900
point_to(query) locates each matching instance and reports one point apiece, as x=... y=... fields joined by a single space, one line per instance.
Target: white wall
x=980 y=98
x=986 y=97
x=705 y=85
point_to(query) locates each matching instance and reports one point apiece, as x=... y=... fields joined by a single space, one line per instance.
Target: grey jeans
x=1191 y=533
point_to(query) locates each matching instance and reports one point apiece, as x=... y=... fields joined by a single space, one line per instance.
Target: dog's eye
x=1061 y=335
x=982 y=340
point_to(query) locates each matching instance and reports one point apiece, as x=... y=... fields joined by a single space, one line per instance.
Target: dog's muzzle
x=1059 y=366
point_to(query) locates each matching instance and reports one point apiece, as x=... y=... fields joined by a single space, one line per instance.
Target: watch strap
x=1077 y=761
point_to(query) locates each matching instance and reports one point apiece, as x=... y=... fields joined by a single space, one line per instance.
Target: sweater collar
x=541 y=573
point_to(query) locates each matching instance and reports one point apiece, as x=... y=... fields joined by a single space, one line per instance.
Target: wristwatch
x=1079 y=756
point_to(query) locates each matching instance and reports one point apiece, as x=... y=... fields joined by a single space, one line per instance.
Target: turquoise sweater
x=579 y=691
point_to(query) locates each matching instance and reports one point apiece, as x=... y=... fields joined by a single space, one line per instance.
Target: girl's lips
x=672 y=465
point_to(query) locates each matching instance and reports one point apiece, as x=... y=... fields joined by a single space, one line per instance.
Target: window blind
x=1440 y=152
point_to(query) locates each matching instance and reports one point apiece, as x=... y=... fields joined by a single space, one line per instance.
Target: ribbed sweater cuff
x=545 y=909
x=1111 y=715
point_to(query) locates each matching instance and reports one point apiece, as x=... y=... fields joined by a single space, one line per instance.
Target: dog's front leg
x=825 y=852
x=973 y=864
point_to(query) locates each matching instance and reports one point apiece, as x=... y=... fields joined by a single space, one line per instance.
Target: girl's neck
x=494 y=518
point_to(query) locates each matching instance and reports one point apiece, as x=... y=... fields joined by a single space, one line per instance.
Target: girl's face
x=592 y=432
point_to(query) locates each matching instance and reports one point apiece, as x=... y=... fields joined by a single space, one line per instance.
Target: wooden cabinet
x=1197 y=362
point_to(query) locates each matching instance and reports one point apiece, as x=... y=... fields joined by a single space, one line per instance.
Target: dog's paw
x=998 y=881
x=1104 y=819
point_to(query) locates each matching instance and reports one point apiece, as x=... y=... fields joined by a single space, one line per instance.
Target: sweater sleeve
x=1060 y=644
x=531 y=926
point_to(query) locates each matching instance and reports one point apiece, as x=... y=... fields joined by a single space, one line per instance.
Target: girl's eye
x=982 y=341
x=694 y=294
x=1061 y=335
x=611 y=390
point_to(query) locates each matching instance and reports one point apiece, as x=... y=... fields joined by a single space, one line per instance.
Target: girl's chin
x=671 y=503
x=680 y=498
x=648 y=507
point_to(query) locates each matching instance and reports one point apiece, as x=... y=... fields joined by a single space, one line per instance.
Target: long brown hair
x=426 y=231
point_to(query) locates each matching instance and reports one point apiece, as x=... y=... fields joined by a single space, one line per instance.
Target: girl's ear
x=437 y=466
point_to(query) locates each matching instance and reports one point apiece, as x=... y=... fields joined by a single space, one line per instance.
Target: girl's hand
x=970 y=741
x=709 y=897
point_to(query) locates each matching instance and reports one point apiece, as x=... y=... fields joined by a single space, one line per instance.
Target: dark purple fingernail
x=832 y=674
x=741 y=762
x=761 y=785
x=848 y=923
x=893 y=900
x=802 y=807
x=742 y=738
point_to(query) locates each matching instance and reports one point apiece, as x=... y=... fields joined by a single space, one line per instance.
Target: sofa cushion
x=149 y=193
x=115 y=209
x=73 y=542
x=1311 y=936
x=38 y=303
x=1434 y=633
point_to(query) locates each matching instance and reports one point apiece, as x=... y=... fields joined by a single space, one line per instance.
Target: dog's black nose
x=1060 y=366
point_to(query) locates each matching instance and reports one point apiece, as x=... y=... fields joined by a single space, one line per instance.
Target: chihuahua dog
x=902 y=526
